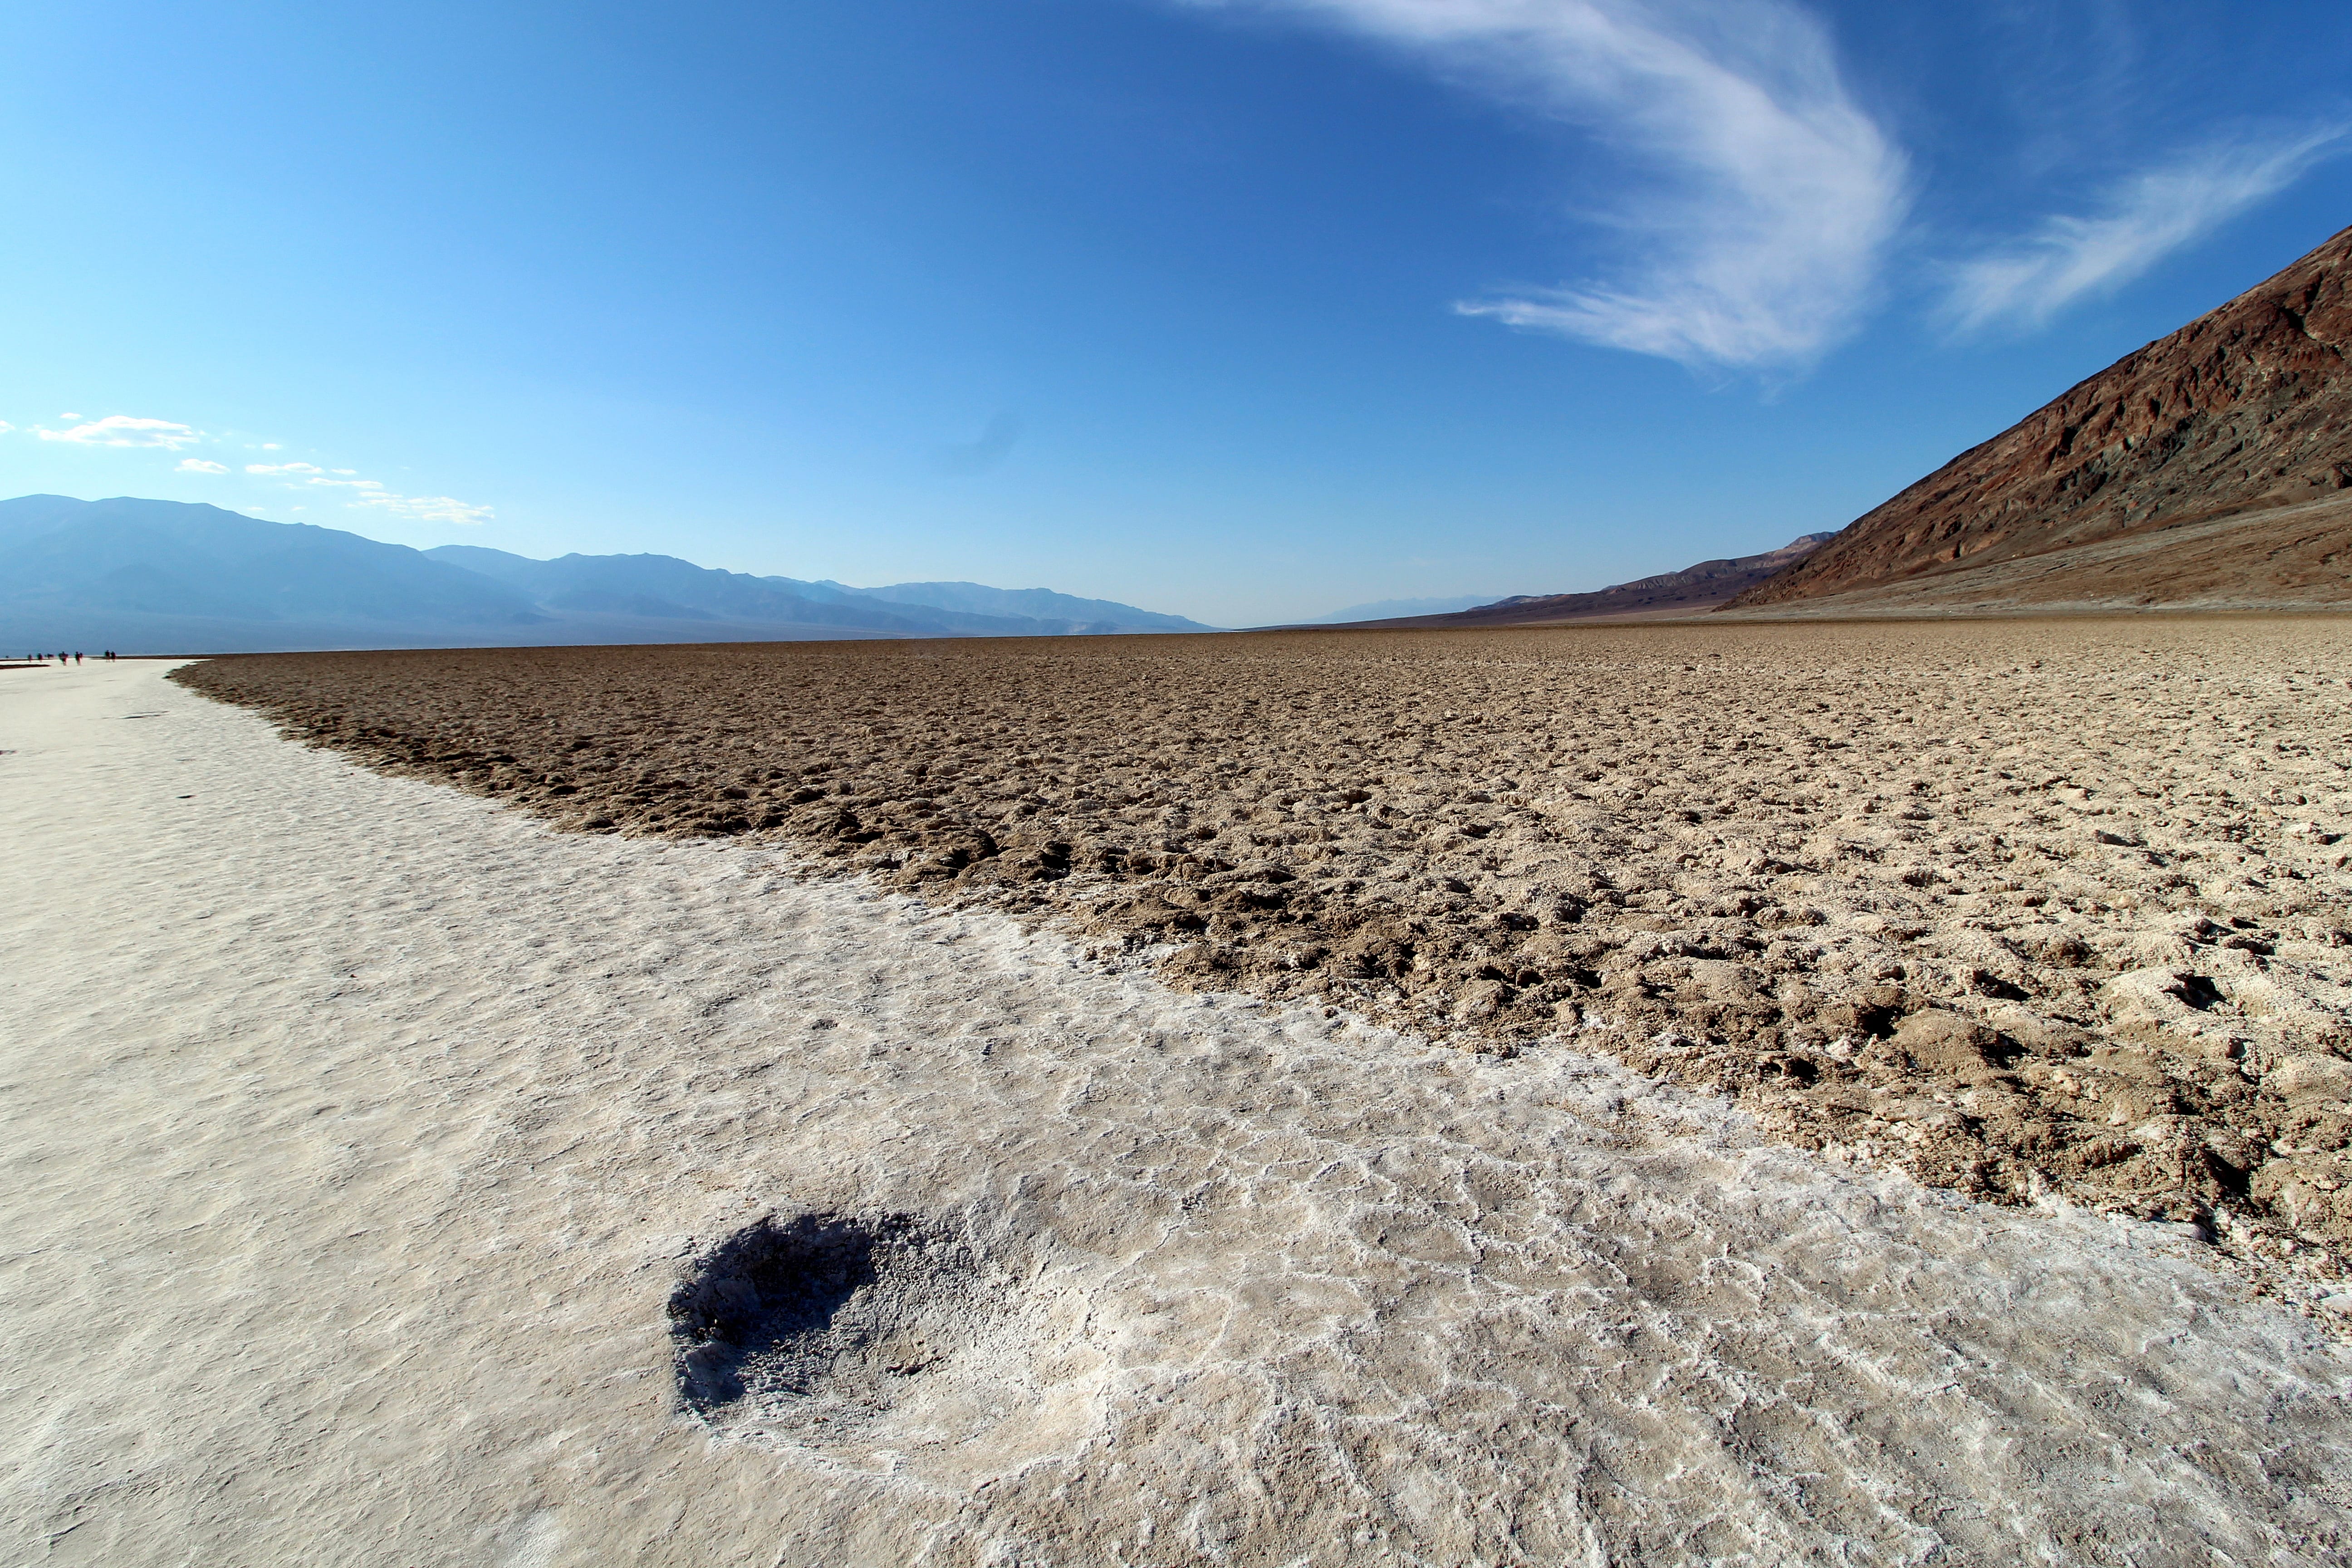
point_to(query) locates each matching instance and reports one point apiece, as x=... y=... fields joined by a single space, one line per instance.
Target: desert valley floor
x=2029 y=907
x=1315 y=1100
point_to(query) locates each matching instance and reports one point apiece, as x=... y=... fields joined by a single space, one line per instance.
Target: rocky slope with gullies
x=2291 y=557
x=1694 y=588
x=2245 y=410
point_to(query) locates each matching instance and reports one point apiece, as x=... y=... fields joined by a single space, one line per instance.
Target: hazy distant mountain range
x=156 y=576
x=1390 y=609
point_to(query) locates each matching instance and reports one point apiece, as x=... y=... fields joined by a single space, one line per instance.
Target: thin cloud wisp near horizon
x=124 y=430
x=374 y=494
x=995 y=444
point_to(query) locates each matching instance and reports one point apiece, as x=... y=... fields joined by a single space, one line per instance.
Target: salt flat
x=358 y=1134
x=2031 y=908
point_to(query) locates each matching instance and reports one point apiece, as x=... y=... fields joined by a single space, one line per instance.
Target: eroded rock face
x=1698 y=587
x=2247 y=407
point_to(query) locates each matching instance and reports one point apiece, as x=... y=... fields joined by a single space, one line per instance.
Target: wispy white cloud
x=372 y=493
x=123 y=430
x=1764 y=196
x=2137 y=225
x=429 y=508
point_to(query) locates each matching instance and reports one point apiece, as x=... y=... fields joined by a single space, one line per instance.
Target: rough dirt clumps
x=2032 y=909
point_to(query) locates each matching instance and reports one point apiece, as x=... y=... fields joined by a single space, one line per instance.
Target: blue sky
x=1243 y=311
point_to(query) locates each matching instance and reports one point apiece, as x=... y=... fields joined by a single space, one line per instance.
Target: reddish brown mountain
x=2245 y=410
x=1687 y=592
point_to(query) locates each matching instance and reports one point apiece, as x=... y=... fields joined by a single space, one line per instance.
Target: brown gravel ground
x=2037 y=909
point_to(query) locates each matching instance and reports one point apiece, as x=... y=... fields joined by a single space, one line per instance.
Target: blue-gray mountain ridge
x=156 y=576
x=1391 y=610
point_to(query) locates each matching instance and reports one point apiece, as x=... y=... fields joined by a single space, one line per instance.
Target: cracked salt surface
x=362 y=1143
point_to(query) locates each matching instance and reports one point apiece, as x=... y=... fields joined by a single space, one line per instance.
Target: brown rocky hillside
x=2245 y=410
x=1692 y=589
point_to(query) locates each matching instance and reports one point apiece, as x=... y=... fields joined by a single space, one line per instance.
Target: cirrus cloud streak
x=2135 y=225
x=1767 y=198
x=125 y=430
x=429 y=508
x=372 y=493
x=130 y=431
